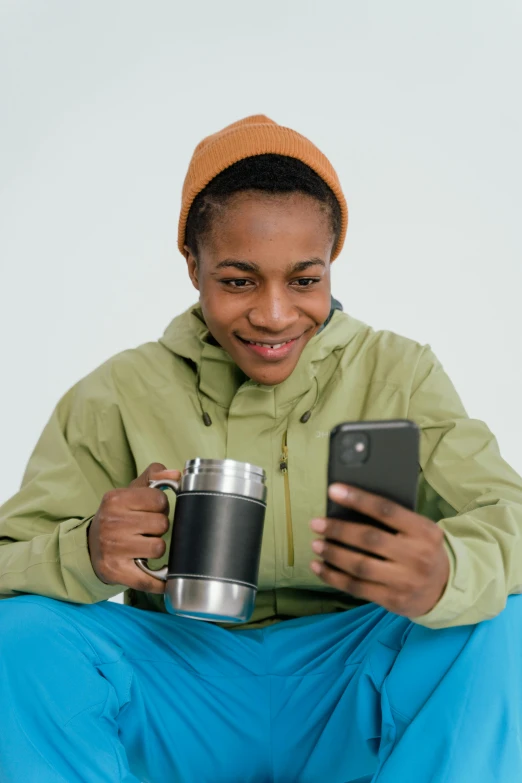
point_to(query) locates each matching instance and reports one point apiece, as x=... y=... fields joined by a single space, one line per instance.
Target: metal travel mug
x=216 y=540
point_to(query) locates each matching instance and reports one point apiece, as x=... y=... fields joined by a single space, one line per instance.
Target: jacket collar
x=220 y=379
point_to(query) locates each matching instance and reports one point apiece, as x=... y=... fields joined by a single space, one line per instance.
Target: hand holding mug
x=128 y=525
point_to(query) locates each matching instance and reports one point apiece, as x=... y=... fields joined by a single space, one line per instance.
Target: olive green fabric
x=141 y=407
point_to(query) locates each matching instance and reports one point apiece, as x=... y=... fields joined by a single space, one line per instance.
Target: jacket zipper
x=283 y=467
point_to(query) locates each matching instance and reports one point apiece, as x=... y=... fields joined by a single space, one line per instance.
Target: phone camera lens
x=354 y=448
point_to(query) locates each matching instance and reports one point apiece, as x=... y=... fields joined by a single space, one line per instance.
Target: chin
x=270 y=376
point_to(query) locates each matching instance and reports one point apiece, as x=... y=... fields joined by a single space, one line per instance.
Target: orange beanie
x=255 y=135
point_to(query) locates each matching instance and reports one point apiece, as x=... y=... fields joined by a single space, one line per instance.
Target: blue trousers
x=110 y=694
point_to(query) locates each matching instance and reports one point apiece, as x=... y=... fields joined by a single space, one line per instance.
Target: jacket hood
x=219 y=378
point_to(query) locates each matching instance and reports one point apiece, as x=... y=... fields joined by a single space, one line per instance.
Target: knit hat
x=255 y=135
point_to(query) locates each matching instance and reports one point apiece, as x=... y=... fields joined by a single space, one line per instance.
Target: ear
x=192 y=266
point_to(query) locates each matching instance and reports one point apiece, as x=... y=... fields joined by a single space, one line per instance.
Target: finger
x=144 y=499
x=366 y=591
x=149 y=547
x=359 y=565
x=132 y=545
x=155 y=471
x=124 y=529
x=143 y=479
x=363 y=536
x=151 y=524
x=134 y=577
x=383 y=510
x=158 y=475
x=125 y=571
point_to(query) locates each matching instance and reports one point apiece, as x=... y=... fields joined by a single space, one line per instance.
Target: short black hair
x=269 y=173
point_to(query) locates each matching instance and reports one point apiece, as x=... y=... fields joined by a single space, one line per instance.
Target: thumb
x=155 y=471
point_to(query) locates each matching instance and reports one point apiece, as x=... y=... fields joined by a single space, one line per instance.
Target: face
x=263 y=275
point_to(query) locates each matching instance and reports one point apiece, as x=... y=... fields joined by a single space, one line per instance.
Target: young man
x=415 y=682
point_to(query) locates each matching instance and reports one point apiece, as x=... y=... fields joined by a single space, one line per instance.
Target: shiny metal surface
x=226 y=475
x=160 y=573
x=198 y=465
x=209 y=599
x=166 y=484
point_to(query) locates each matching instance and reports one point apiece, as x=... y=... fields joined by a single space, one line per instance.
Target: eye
x=306 y=282
x=236 y=282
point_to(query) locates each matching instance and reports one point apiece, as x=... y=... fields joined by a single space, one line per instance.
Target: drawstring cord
x=307 y=414
x=207 y=421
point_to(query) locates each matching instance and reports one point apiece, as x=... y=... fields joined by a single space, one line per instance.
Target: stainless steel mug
x=216 y=540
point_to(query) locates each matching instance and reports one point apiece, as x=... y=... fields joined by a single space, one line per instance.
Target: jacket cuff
x=452 y=603
x=77 y=567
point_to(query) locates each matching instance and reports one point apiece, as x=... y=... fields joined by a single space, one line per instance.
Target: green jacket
x=142 y=406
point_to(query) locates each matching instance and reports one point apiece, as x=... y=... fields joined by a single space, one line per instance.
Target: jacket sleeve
x=461 y=462
x=82 y=453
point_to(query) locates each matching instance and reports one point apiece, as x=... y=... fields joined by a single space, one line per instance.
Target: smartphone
x=379 y=456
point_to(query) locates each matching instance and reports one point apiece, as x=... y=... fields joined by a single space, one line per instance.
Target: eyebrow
x=251 y=266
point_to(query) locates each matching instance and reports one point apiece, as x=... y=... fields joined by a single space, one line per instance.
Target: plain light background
x=102 y=103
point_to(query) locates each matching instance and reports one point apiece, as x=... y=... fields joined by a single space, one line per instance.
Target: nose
x=273 y=311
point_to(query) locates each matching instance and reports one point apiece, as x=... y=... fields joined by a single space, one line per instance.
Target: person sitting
x=390 y=656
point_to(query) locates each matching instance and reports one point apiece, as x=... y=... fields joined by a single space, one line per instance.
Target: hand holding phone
x=373 y=544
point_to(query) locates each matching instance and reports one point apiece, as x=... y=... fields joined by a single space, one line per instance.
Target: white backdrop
x=102 y=103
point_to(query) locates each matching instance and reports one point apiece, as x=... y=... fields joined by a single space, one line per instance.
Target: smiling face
x=263 y=275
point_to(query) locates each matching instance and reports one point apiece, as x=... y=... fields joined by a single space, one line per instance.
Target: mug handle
x=160 y=573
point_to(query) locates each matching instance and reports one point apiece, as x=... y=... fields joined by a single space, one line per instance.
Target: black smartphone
x=379 y=456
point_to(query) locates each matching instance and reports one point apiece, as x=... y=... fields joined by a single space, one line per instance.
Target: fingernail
x=339 y=492
x=318 y=546
x=315 y=566
x=319 y=525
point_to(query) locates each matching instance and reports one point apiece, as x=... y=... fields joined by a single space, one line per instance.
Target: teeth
x=268 y=345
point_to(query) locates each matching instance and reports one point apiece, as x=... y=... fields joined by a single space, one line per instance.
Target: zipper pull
x=283 y=467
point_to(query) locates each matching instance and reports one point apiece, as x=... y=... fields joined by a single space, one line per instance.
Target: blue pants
x=110 y=694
